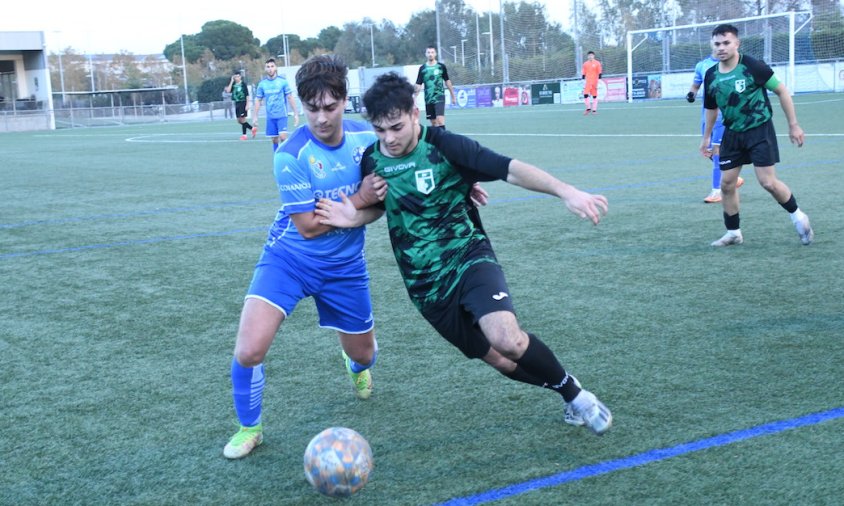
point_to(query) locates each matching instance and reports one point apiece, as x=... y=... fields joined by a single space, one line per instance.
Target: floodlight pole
x=184 y=68
x=372 y=44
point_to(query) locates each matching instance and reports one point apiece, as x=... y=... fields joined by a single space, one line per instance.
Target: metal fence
x=81 y=117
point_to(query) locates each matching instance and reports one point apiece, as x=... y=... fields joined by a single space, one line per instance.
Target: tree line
x=536 y=47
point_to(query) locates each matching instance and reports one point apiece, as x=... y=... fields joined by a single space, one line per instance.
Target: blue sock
x=716 y=171
x=357 y=368
x=248 y=392
x=275 y=147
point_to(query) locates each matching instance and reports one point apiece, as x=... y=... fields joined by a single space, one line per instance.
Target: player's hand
x=373 y=189
x=479 y=195
x=705 y=148
x=796 y=135
x=337 y=214
x=587 y=205
x=690 y=96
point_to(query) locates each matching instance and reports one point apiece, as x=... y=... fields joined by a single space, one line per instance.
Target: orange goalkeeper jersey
x=591 y=69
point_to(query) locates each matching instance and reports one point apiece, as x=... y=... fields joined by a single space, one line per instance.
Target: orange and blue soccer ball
x=338 y=462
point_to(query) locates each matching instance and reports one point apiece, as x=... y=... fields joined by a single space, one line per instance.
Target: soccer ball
x=338 y=462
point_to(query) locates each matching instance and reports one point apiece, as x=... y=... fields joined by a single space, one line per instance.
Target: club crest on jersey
x=425 y=181
x=740 y=85
x=316 y=167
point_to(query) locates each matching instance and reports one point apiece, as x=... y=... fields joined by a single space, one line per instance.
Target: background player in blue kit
x=277 y=93
x=303 y=258
x=717 y=130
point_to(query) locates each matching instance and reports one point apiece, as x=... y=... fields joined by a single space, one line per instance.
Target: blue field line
x=646 y=458
x=135 y=242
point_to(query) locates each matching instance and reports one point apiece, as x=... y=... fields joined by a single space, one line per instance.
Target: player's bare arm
x=583 y=204
x=795 y=132
x=344 y=214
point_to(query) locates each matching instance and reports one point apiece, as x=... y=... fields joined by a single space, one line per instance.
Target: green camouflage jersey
x=741 y=93
x=240 y=91
x=435 y=229
x=434 y=78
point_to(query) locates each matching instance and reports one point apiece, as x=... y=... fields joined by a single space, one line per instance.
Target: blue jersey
x=307 y=170
x=274 y=92
x=700 y=71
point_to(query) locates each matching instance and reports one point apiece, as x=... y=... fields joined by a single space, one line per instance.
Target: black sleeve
x=419 y=74
x=473 y=161
x=367 y=167
x=445 y=72
x=760 y=70
x=709 y=98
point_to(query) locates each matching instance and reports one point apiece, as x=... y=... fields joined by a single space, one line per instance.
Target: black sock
x=519 y=374
x=790 y=205
x=732 y=222
x=539 y=361
x=243 y=128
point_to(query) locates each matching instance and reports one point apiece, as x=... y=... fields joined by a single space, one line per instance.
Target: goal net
x=660 y=60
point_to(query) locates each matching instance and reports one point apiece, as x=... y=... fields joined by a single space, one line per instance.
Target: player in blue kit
x=717 y=130
x=276 y=91
x=303 y=258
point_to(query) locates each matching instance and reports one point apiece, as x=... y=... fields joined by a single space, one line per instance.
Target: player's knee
x=248 y=355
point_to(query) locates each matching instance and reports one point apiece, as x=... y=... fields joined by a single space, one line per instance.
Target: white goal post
x=657 y=52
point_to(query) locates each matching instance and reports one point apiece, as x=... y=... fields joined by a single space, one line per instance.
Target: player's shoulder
x=294 y=144
x=358 y=133
x=751 y=62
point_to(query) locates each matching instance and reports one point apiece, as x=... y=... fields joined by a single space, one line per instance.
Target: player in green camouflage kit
x=433 y=76
x=738 y=86
x=443 y=253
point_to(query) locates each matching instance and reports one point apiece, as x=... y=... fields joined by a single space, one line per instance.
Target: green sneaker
x=362 y=381
x=244 y=441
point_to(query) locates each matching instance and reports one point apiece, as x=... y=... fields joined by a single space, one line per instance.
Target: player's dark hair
x=590 y=52
x=390 y=94
x=269 y=60
x=431 y=46
x=322 y=73
x=724 y=30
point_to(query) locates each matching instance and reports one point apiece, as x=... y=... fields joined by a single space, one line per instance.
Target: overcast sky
x=146 y=26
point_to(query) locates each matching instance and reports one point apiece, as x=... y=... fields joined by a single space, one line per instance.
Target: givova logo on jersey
x=316 y=167
x=425 y=181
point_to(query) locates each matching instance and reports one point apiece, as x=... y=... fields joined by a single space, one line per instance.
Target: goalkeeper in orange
x=590 y=73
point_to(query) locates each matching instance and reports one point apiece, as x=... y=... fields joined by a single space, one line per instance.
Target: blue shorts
x=275 y=126
x=341 y=292
x=717 y=133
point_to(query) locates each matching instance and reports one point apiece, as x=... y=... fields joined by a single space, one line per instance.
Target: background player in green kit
x=443 y=253
x=433 y=76
x=240 y=96
x=738 y=86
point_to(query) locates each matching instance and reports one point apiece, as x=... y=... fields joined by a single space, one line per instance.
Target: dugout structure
x=781 y=40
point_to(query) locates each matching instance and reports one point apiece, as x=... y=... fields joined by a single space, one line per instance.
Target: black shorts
x=757 y=146
x=240 y=109
x=482 y=290
x=435 y=109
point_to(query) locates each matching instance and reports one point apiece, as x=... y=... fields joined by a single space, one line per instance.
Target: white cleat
x=730 y=238
x=804 y=229
x=596 y=417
